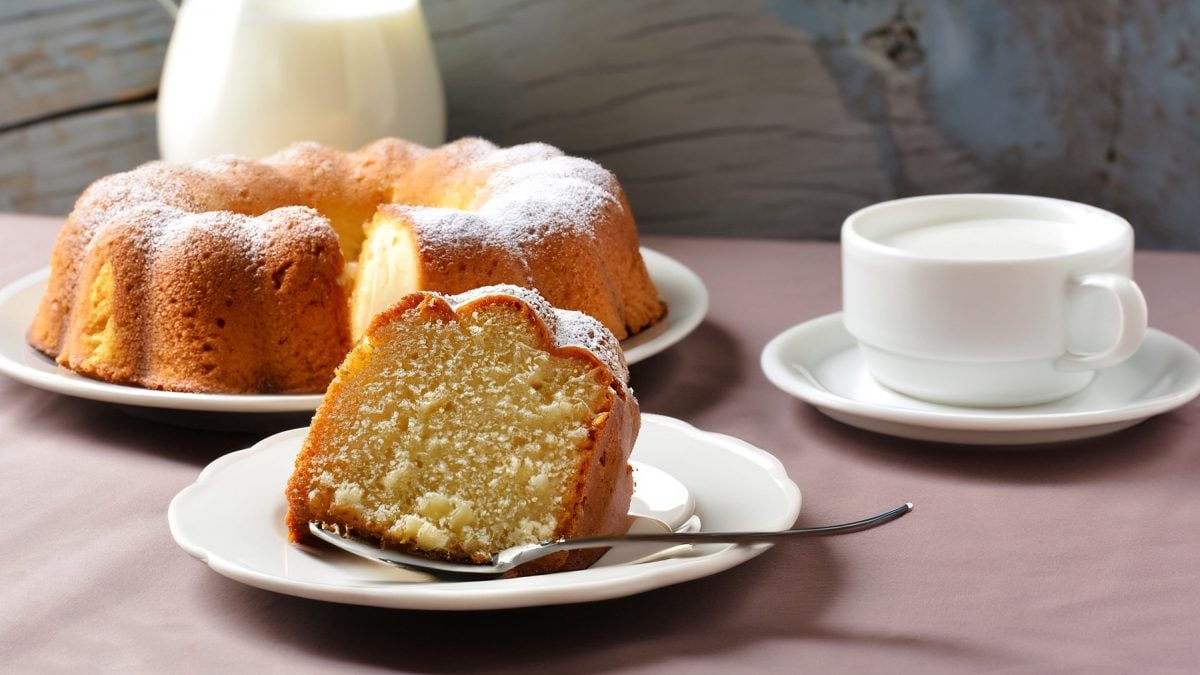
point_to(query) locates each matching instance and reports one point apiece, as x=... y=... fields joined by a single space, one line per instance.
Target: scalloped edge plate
x=231 y=518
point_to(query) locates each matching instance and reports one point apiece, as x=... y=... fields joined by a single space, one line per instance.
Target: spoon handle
x=735 y=537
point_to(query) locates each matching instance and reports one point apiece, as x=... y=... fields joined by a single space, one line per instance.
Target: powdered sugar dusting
x=512 y=200
x=157 y=229
x=530 y=207
x=447 y=229
x=569 y=328
x=532 y=191
x=516 y=155
x=552 y=169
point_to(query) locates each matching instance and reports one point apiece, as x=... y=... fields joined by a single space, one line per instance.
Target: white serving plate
x=231 y=518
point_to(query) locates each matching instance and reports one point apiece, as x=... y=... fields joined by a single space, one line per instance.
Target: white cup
x=990 y=300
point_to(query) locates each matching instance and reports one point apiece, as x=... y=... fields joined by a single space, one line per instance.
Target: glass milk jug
x=248 y=77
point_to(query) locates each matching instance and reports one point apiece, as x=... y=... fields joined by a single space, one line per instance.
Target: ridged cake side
x=219 y=239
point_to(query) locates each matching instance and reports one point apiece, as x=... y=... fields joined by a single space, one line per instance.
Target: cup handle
x=1132 y=305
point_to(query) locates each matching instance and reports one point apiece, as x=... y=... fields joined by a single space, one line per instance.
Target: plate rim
x=692 y=294
x=675 y=275
x=502 y=593
x=776 y=368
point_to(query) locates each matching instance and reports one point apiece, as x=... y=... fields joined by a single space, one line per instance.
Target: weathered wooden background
x=734 y=117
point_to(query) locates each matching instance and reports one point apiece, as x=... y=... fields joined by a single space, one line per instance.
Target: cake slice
x=462 y=425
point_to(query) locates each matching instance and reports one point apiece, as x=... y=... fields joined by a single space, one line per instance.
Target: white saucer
x=681 y=289
x=819 y=362
x=232 y=519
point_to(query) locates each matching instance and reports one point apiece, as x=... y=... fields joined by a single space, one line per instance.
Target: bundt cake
x=462 y=425
x=231 y=275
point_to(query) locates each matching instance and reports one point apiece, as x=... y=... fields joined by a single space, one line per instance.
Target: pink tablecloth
x=1083 y=557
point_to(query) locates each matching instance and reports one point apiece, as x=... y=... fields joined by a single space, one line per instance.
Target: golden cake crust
x=599 y=492
x=230 y=275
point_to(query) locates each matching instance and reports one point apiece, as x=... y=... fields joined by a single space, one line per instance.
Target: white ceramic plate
x=684 y=292
x=232 y=519
x=819 y=362
x=687 y=304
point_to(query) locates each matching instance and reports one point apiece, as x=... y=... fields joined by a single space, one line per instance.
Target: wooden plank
x=717 y=117
x=779 y=118
x=727 y=117
x=1154 y=165
x=63 y=55
x=44 y=167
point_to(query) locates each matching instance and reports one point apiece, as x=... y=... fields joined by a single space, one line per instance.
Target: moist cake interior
x=460 y=441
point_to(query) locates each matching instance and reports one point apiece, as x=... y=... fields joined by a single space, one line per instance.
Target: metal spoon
x=509 y=558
